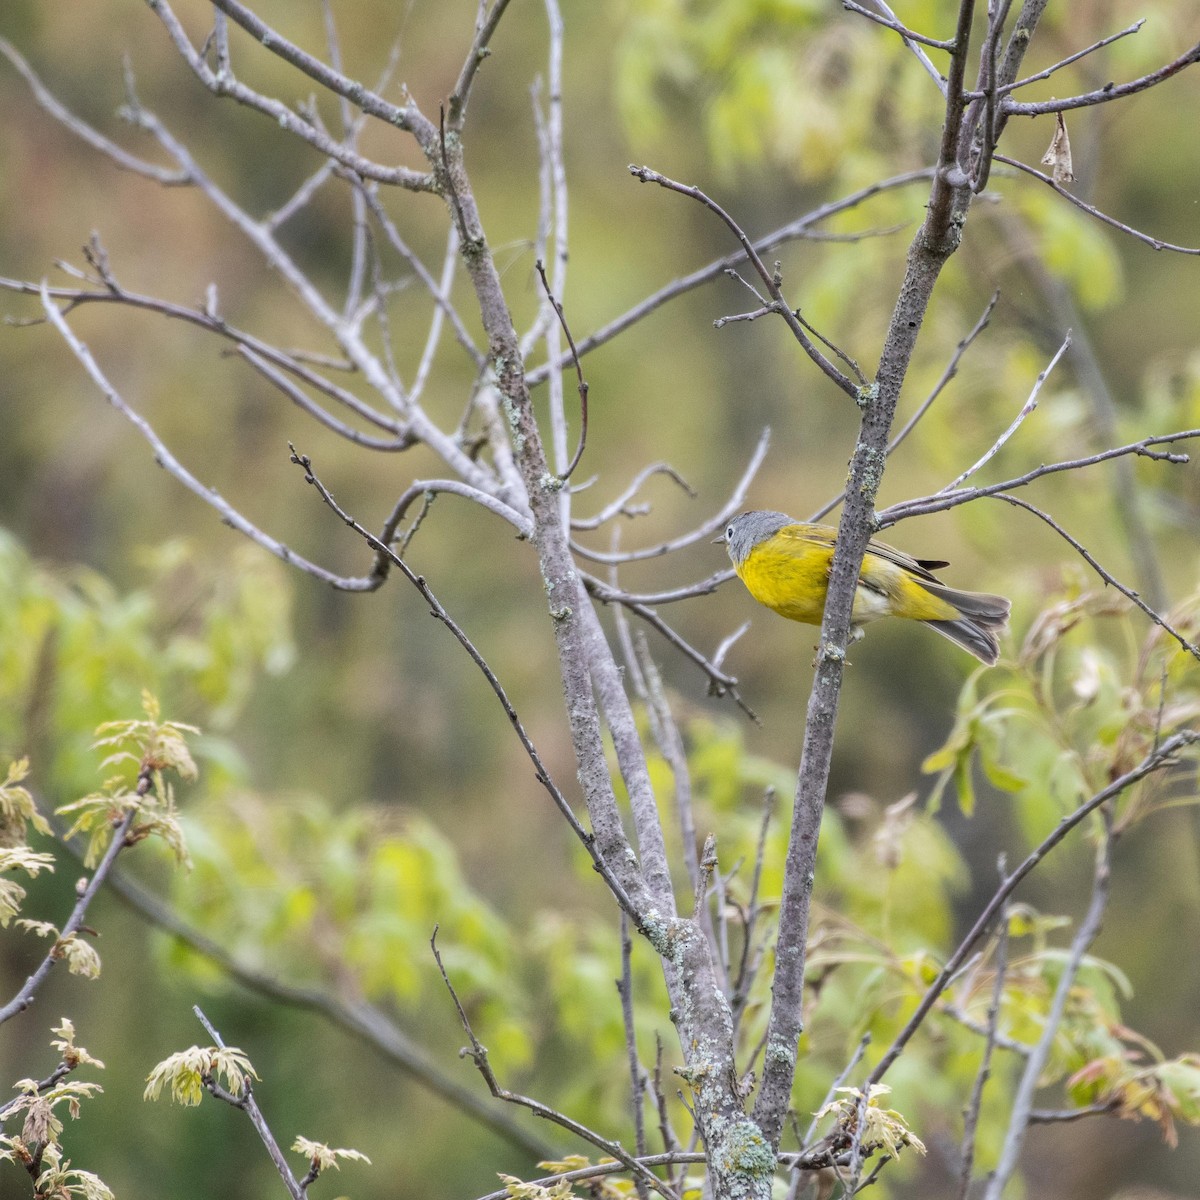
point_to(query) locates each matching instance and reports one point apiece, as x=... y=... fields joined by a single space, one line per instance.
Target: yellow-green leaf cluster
x=881 y=1128
x=146 y=749
x=321 y=1157
x=187 y=1071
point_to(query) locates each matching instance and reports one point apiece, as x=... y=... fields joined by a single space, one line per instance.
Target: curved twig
x=706 y=530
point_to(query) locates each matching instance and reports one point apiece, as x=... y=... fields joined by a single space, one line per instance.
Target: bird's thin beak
x=719 y=540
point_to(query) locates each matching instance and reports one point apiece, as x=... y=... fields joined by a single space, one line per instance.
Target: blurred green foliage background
x=355 y=769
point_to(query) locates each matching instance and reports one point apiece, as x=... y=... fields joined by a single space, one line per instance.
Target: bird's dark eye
x=728 y=532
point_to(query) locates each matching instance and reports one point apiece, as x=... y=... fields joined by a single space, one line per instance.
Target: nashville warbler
x=785 y=565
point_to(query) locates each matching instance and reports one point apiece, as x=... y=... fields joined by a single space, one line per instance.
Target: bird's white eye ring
x=729 y=531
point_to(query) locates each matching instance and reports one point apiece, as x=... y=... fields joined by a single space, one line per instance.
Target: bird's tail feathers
x=982 y=618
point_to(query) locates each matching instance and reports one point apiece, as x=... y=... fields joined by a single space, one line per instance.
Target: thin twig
x=799 y=228
x=1062 y=1116
x=1110 y=91
x=1009 y=88
x=909 y=35
x=408 y=117
x=170 y=463
x=939 y=503
x=670 y=744
x=1026 y=409
x=1107 y=576
x=582 y=384
x=665 y=1130
x=702 y=532
x=637 y=1078
x=769 y=278
x=1089 y=927
x=947 y=375
x=478 y=52
x=478 y=1054
x=81 y=129
x=750 y=958
x=1091 y=210
x=280 y=381
x=938 y=78
x=247 y=1103
x=720 y=683
x=541 y=774
x=438 y=292
x=971 y=1117
x=621 y=505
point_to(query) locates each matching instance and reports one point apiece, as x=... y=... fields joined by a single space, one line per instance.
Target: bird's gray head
x=744 y=532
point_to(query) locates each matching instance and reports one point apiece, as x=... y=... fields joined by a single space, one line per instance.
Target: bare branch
x=408 y=117
x=667 y=737
x=81 y=129
x=582 y=386
x=247 y=1103
x=279 y=380
x=1008 y=88
x=1026 y=409
x=794 y=229
x=947 y=375
x=1110 y=91
x=772 y=284
x=480 y=50
x=971 y=1119
x=211 y=322
x=348 y=337
x=439 y=293
x=621 y=505
x=1091 y=210
x=608 y=594
x=300 y=198
x=720 y=683
x=1042 y=1116
x=909 y=35
x=890 y=19
x=165 y=459
x=1035 y=1065
x=437 y=319
x=940 y=502
x=427 y=489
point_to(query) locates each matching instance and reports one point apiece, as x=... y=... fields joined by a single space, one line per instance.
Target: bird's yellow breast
x=789 y=576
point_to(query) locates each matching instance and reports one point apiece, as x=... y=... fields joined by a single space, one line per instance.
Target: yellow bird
x=785 y=565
